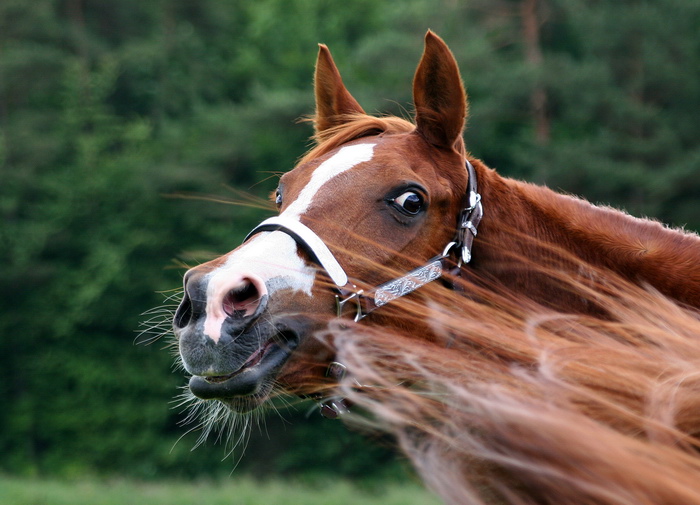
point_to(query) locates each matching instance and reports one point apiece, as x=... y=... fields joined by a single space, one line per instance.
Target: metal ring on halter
x=340 y=303
x=448 y=247
x=474 y=199
x=464 y=253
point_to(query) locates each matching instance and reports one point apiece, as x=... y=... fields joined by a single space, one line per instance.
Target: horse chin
x=250 y=386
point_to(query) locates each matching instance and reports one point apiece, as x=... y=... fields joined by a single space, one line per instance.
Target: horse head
x=375 y=196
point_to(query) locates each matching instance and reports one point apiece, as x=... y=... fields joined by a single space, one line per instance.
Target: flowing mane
x=519 y=403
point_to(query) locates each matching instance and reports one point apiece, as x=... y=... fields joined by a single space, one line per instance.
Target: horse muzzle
x=228 y=340
x=250 y=379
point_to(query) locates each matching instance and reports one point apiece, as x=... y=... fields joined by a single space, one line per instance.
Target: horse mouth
x=250 y=385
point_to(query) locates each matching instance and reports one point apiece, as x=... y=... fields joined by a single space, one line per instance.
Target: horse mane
x=354 y=127
x=518 y=403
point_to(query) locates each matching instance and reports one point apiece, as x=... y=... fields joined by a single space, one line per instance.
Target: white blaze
x=340 y=162
x=272 y=256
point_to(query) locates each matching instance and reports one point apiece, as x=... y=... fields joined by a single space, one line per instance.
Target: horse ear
x=438 y=95
x=333 y=100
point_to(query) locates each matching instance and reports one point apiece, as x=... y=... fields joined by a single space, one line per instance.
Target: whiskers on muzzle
x=230 y=421
x=158 y=322
x=223 y=420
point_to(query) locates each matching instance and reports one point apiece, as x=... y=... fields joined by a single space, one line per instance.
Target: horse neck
x=519 y=215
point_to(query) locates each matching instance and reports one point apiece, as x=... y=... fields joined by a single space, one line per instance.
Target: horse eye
x=278 y=198
x=409 y=202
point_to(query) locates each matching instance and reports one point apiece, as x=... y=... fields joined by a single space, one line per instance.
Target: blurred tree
x=108 y=107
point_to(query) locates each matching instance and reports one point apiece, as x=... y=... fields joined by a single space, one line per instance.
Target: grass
x=233 y=491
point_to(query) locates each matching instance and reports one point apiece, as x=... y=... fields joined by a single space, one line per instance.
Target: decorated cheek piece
x=370 y=300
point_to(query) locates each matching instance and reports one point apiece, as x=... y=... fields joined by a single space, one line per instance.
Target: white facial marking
x=272 y=256
x=343 y=160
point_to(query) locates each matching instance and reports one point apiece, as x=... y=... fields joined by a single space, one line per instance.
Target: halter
x=366 y=302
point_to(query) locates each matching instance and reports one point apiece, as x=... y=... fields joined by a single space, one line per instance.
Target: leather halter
x=366 y=302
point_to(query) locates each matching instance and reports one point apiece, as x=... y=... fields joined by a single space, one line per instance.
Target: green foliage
x=109 y=109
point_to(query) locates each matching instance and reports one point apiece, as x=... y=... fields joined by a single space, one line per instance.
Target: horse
x=491 y=325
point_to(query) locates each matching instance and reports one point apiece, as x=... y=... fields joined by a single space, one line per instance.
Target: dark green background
x=109 y=108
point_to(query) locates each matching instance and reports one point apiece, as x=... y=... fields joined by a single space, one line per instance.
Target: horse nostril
x=243 y=300
x=183 y=315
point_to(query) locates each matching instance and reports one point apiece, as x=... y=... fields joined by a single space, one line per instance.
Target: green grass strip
x=236 y=491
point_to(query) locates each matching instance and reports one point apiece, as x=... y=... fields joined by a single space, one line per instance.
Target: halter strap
x=468 y=221
x=366 y=302
x=470 y=217
x=309 y=241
